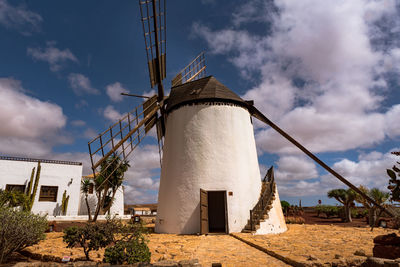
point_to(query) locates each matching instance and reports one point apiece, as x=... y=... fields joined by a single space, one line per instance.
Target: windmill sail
x=193 y=71
x=258 y=114
x=120 y=139
x=154 y=30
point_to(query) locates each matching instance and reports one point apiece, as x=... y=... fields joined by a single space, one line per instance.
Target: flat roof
x=41 y=160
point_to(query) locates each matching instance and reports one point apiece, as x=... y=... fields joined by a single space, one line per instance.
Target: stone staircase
x=260 y=211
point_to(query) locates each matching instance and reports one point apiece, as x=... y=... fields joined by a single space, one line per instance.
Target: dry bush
x=18 y=230
x=295 y=220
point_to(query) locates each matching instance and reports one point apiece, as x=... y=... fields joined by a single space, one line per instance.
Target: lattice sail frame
x=121 y=138
x=154 y=48
x=193 y=71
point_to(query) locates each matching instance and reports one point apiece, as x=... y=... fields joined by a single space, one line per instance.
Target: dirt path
x=210 y=249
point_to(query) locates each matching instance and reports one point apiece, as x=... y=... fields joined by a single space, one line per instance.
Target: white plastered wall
x=275 y=223
x=211 y=147
x=66 y=177
x=117 y=207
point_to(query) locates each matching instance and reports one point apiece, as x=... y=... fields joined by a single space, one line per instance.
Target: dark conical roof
x=201 y=90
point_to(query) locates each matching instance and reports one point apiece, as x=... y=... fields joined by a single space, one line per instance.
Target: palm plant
x=85 y=188
x=346 y=197
x=378 y=196
x=108 y=182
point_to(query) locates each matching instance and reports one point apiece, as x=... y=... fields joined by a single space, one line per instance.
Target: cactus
x=32 y=194
x=28 y=192
x=64 y=203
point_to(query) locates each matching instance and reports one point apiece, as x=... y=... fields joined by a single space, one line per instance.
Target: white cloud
x=19 y=18
x=52 y=55
x=292 y=168
x=90 y=133
x=111 y=114
x=392 y=118
x=78 y=123
x=369 y=170
x=322 y=78
x=81 y=84
x=142 y=178
x=114 y=91
x=29 y=126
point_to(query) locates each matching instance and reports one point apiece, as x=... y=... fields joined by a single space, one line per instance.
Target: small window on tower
x=15 y=187
x=48 y=193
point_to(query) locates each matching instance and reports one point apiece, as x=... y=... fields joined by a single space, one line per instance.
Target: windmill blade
x=193 y=71
x=154 y=30
x=257 y=114
x=120 y=139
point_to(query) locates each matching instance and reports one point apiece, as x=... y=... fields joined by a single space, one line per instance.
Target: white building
x=210 y=177
x=117 y=207
x=55 y=178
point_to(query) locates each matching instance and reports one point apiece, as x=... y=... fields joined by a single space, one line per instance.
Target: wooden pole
x=257 y=114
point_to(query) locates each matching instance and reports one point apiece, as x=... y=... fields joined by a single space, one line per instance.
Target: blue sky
x=325 y=71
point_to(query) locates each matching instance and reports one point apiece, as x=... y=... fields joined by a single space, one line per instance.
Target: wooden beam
x=257 y=114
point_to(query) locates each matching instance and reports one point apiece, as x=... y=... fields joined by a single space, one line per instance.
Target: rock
x=311 y=258
x=166 y=264
x=360 y=252
x=374 y=262
x=386 y=251
x=337 y=256
x=391 y=239
x=84 y=263
x=390 y=263
x=188 y=263
x=216 y=264
x=339 y=263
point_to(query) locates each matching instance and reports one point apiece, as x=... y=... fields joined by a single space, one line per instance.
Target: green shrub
x=132 y=251
x=285 y=206
x=329 y=211
x=130 y=248
x=13 y=199
x=92 y=236
x=18 y=230
x=359 y=213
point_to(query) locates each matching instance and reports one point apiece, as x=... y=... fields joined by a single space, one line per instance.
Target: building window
x=15 y=187
x=91 y=189
x=48 y=193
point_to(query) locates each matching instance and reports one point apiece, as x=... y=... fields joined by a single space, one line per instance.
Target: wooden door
x=203 y=212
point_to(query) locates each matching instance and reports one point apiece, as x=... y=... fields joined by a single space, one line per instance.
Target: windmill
x=210 y=179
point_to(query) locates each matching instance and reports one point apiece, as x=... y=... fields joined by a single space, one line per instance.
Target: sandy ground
x=307 y=244
x=319 y=244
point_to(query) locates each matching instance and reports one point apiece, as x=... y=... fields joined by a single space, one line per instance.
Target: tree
x=85 y=188
x=108 y=182
x=346 y=197
x=394 y=182
x=378 y=196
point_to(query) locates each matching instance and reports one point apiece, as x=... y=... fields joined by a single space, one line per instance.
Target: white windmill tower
x=210 y=179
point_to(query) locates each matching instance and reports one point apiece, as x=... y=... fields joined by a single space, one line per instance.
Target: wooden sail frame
x=121 y=138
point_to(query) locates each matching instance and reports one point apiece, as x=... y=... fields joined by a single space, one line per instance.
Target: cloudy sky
x=327 y=72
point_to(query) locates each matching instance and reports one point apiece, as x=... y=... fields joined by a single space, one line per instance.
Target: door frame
x=204 y=211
